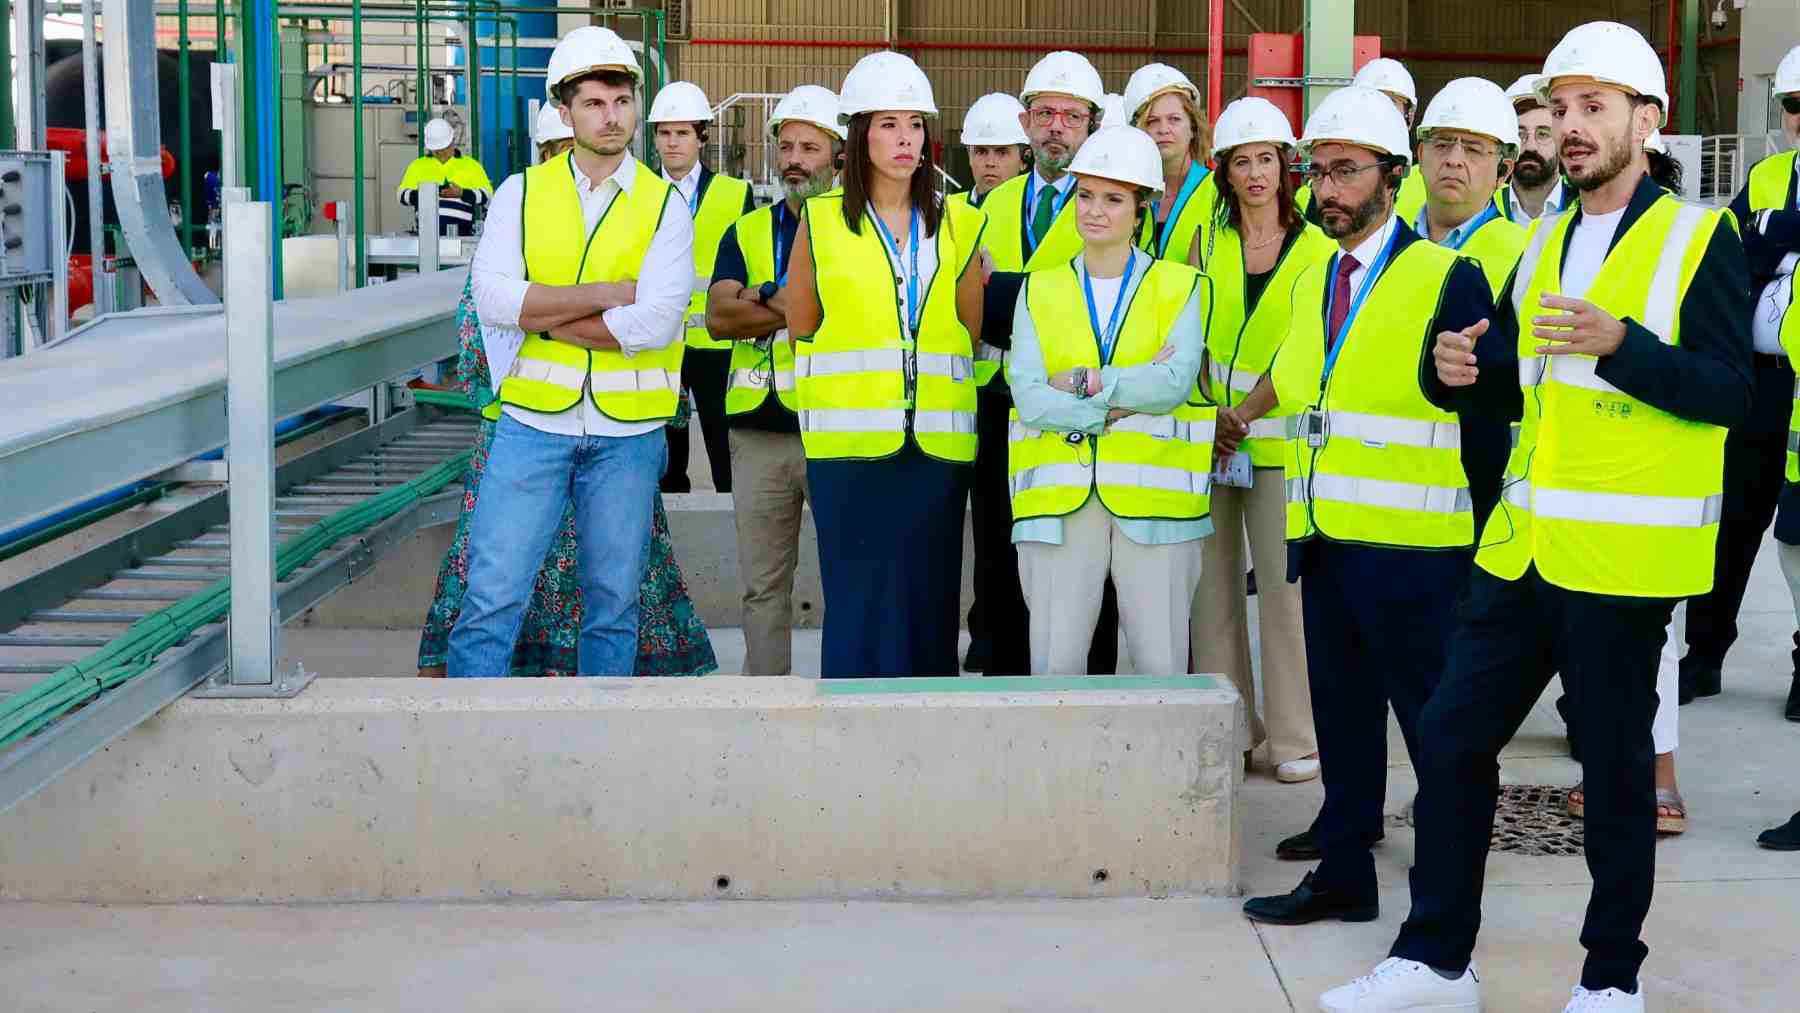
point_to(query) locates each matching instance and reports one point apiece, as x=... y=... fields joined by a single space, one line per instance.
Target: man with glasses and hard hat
x=1391 y=78
x=1536 y=186
x=680 y=117
x=581 y=279
x=1622 y=344
x=1383 y=504
x=1467 y=142
x=463 y=185
x=747 y=304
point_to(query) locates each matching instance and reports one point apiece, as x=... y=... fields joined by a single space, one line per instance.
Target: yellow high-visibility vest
x=1240 y=348
x=1496 y=246
x=460 y=171
x=1604 y=493
x=1771 y=186
x=1145 y=466
x=722 y=204
x=758 y=366
x=1369 y=459
x=862 y=381
x=549 y=375
x=1193 y=216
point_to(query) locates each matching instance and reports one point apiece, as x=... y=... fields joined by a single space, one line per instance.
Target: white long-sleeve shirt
x=652 y=322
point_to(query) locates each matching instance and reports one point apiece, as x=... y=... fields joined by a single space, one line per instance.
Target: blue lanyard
x=1196 y=174
x=1032 y=188
x=1362 y=292
x=1459 y=236
x=780 y=254
x=912 y=277
x=1108 y=336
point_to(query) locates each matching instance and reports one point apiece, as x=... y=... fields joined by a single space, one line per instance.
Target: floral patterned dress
x=671 y=638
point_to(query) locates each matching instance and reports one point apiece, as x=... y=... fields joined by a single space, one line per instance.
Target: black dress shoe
x=1304 y=846
x=1783 y=838
x=1793 y=701
x=1697 y=682
x=1308 y=904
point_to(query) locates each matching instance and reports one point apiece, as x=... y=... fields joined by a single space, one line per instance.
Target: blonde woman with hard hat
x=1467 y=143
x=1537 y=186
x=1110 y=449
x=1162 y=102
x=747 y=303
x=1623 y=346
x=996 y=144
x=581 y=278
x=1392 y=79
x=463 y=185
x=680 y=118
x=1382 y=506
x=884 y=301
x=1253 y=250
x=551 y=135
x=1031 y=224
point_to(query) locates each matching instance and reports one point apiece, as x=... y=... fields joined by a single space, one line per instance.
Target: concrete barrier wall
x=377 y=789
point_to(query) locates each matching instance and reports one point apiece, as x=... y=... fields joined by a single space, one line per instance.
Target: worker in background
x=884 y=302
x=1031 y=225
x=1162 y=102
x=747 y=304
x=550 y=133
x=1623 y=344
x=1759 y=454
x=580 y=280
x=1537 y=184
x=999 y=150
x=1382 y=510
x=1391 y=78
x=463 y=185
x=1467 y=144
x=680 y=116
x=1110 y=450
x=1253 y=251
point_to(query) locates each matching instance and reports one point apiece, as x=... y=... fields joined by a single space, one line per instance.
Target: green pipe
x=472 y=80
x=424 y=113
x=356 y=101
x=1687 y=93
x=6 y=108
x=187 y=145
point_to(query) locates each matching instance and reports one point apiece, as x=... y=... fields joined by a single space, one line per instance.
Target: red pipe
x=1215 y=59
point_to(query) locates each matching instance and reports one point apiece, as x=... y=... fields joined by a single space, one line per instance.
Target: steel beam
x=1330 y=47
x=250 y=450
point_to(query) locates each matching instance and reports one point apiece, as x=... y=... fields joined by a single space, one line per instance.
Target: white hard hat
x=1476 y=105
x=885 y=81
x=1064 y=73
x=1656 y=143
x=994 y=119
x=1122 y=154
x=680 y=102
x=438 y=135
x=1391 y=76
x=1787 y=73
x=1112 y=110
x=809 y=103
x=1524 y=90
x=1152 y=80
x=1252 y=120
x=587 y=49
x=1360 y=116
x=550 y=126
x=1610 y=53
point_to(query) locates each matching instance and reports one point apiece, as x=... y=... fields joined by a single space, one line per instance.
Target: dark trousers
x=1755 y=468
x=1377 y=624
x=1513 y=635
x=703 y=371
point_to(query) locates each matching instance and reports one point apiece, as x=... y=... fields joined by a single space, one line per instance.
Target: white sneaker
x=1398 y=984
x=1296 y=771
x=1609 y=1000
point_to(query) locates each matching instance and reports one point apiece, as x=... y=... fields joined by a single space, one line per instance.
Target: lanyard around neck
x=1110 y=335
x=1034 y=185
x=1362 y=292
x=1459 y=236
x=912 y=276
x=780 y=254
x=1196 y=174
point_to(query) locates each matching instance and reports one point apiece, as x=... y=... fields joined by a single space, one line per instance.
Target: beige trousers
x=1063 y=585
x=1221 y=622
x=768 y=479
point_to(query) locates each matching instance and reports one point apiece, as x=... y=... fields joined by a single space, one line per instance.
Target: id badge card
x=1234 y=471
x=1312 y=427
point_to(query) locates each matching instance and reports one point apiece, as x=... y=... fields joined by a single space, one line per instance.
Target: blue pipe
x=265 y=110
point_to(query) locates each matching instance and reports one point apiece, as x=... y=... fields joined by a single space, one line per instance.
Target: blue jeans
x=531 y=477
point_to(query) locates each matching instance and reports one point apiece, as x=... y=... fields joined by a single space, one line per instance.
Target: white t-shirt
x=1587 y=251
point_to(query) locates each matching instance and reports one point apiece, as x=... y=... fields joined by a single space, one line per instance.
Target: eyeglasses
x=1341 y=175
x=1542 y=135
x=1444 y=147
x=1045 y=117
x=1790 y=104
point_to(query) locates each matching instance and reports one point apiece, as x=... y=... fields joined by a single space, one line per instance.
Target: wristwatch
x=766 y=291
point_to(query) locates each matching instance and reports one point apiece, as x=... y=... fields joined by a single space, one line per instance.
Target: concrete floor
x=1721 y=934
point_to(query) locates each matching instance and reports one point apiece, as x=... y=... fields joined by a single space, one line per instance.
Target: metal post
x=428 y=228
x=250 y=450
x=90 y=95
x=28 y=78
x=1330 y=46
x=227 y=94
x=346 y=258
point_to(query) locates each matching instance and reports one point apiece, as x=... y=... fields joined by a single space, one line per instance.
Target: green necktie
x=1044 y=215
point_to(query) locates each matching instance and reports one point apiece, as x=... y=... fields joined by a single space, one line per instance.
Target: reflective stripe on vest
x=1382 y=430
x=756 y=366
x=548 y=375
x=720 y=206
x=1223 y=376
x=1380 y=492
x=1624 y=500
